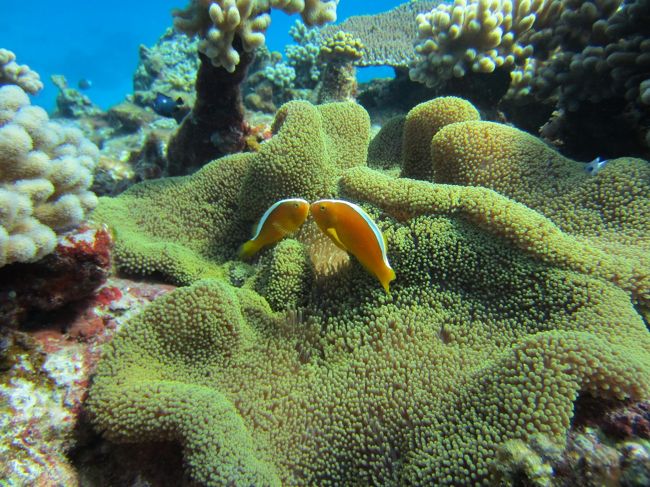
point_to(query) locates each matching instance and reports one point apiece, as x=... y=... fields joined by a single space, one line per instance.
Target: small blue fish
x=85 y=84
x=595 y=166
x=166 y=106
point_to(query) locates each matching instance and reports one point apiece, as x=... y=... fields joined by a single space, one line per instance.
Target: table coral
x=387 y=37
x=491 y=334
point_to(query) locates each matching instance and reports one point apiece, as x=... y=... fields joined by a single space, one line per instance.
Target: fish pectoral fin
x=331 y=232
x=283 y=230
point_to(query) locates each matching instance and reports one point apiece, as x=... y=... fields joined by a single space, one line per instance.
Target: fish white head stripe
x=373 y=226
x=266 y=214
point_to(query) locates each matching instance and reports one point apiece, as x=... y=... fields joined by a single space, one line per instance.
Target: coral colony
x=233 y=325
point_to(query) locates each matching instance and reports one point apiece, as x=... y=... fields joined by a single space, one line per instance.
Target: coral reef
x=70 y=102
x=504 y=315
x=79 y=264
x=45 y=172
x=216 y=207
x=598 y=78
x=274 y=81
x=589 y=458
x=45 y=378
x=168 y=67
x=219 y=22
x=215 y=126
x=11 y=73
x=302 y=55
x=584 y=62
x=480 y=36
x=230 y=31
x=339 y=78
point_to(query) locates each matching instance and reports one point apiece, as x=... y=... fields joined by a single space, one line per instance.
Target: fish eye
x=295 y=205
x=322 y=207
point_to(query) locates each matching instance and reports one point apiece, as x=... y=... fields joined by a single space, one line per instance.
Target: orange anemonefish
x=353 y=230
x=281 y=219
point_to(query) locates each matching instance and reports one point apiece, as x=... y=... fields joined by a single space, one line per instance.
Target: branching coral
x=302 y=55
x=218 y=22
x=169 y=67
x=609 y=60
x=480 y=36
x=45 y=173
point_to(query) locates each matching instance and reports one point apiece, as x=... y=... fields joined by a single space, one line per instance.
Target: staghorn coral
x=11 y=73
x=493 y=331
x=45 y=172
x=181 y=227
x=218 y=22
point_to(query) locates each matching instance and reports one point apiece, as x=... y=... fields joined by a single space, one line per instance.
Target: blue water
x=99 y=40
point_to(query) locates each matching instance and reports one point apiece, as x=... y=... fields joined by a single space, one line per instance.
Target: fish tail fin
x=248 y=249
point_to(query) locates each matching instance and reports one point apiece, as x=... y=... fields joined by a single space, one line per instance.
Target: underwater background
x=83 y=42
x=325 y=242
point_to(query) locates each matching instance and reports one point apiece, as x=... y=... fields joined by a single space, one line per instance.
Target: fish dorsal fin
x=265 y=216
x=335 y=238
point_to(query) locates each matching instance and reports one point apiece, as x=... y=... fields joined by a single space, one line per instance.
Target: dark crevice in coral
x=215 y=127
x=101 y=462
x=584 y=136
x=619 y=420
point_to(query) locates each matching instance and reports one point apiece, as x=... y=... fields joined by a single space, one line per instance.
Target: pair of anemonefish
x=346 y=224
